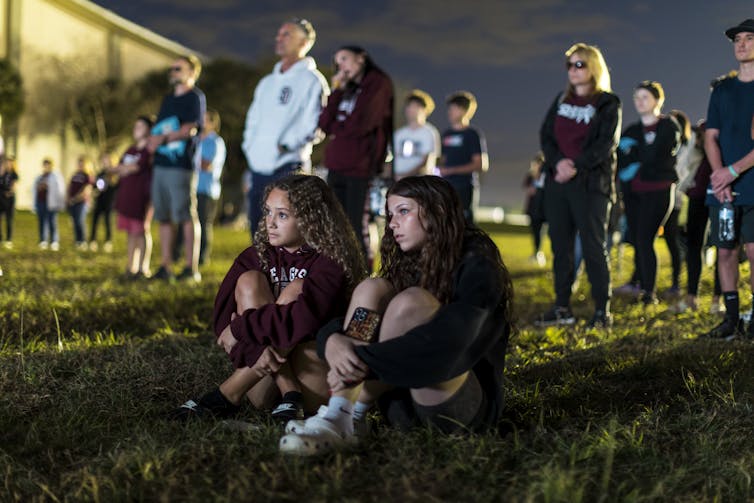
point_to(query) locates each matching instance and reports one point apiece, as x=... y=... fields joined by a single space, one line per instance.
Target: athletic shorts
x=743 y=224
x=173 y=195
x=463 y=412
x=131 y=225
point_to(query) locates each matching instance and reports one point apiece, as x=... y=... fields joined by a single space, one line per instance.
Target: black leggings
x=646 y=212
x=673 y=239
x=697 y=226
x=9 y=211
x=103 y=211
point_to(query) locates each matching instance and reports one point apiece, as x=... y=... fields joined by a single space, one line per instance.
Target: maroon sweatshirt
x=359 y=126
x=281 y=326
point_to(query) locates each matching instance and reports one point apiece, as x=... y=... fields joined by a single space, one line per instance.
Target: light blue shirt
x=212 y=150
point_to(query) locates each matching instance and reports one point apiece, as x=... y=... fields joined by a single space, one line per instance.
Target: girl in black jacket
x=646 y=162
x=440 y=315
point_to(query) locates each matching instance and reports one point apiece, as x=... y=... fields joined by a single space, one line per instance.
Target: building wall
x=63 y=45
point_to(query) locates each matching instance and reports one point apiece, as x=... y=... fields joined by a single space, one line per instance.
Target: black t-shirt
x=458 y=147
x=174 y=112
x=6 y=181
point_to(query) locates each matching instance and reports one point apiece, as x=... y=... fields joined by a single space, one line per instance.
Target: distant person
x=173 y=141
x=281 y=124
x=579 y=137
x=425 y=341
x=464 y=151
x=298 y=275
x=212 y=154
x=646 y=161
x=729 y=145
x=105 y=187
x=358 y=119
x=49 y=199
x=78 y=198
x=534 y=205
x=133 y=201
x=8 y=182
x=417 y=144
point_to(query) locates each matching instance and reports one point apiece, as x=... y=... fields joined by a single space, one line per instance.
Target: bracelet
x=732 y=171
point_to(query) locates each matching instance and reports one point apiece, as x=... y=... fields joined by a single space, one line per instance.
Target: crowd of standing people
x=424 y=339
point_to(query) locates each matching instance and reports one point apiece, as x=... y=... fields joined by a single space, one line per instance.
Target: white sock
x=339 y=412
x=360 y=410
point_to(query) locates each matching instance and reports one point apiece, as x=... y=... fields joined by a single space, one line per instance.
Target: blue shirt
x=174 y=112
x=458 y=147
x=212 y=150
x=731 y=111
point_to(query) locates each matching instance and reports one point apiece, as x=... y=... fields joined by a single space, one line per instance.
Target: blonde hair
x=322 y=223
x=595 y=62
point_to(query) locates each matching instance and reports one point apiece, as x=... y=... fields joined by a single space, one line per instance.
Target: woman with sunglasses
x=579 y=137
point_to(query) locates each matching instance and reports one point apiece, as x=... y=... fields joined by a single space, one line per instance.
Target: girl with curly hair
x=300 y=273
x=437 y=318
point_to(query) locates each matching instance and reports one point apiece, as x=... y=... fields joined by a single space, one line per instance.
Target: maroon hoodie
x=359 y=128
x=281 y=326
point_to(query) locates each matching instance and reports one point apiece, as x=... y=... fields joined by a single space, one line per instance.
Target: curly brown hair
x=322 y=223
x=449 y=237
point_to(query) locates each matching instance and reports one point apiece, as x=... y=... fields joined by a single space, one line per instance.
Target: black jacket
x=658 y=159
x=596 y=164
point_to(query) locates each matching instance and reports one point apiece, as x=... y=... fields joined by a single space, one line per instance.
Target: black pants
x=102 y=210
x=645 y=213
x=466 y=193
x=672 y=237
x=352 y=194
x=206 y=208
x=570 y=208
x=536 y=232
x=697 y=226
x=8 y=208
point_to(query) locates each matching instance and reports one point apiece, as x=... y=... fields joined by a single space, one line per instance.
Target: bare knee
x=410 y=308
x=252 y=291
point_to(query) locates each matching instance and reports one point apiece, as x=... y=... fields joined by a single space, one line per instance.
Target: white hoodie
x=285 y=111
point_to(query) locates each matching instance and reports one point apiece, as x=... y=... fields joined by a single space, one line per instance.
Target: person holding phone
x=425 y=340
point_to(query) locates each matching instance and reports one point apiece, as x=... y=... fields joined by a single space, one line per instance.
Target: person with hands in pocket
x=425 y=341
x=298 y=275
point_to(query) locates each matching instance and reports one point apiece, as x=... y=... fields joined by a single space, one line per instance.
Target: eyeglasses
x=175 y=69
x=575 y=64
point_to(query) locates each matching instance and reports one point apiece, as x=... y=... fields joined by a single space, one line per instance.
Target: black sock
x=293 y=397
x=731 y=304
x=216 y=402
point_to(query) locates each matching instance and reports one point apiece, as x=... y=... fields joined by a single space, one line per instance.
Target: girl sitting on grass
x=133 y=199
x=298 y=275
x=440 y=313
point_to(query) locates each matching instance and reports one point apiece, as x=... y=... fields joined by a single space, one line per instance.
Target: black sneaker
x=727 y=330
x=188 y=274
x=558 y=315
x=213 y=405
x=163 y=274
x=601 y=319
x=290 y=407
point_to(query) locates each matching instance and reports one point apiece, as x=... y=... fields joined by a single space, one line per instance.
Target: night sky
x=509 y=54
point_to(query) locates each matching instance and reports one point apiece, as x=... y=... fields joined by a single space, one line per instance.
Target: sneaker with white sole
x=315 y=436
x=557 y=315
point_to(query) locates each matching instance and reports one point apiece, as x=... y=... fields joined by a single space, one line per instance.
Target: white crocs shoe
x=299 y=425
x=316 y=443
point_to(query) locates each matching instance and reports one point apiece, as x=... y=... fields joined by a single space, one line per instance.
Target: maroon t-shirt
x=323 y=298
x=42 y=188
x=639 y=185
x=133 y=196
x=572 y=123
x=78 y=182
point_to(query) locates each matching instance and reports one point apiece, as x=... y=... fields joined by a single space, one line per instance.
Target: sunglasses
x=175 y=69
x=576 y=64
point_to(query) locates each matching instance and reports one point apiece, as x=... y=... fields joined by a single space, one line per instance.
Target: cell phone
x=364 y=324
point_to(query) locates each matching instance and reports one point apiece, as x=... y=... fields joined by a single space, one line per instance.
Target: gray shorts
x=173 y=194
x=463 y=412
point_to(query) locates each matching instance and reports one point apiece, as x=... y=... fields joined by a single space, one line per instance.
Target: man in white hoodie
x=281 y=124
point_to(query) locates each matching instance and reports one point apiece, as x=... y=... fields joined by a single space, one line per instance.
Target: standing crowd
x=424 y=339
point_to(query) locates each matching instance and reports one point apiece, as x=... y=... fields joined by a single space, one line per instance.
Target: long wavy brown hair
x=322 y=223
x=433 y=266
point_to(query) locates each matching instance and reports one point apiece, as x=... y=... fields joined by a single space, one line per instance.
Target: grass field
x=89 y=364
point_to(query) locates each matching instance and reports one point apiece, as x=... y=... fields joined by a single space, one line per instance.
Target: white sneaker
x=43 y=245
x=8 y=245
x=93 y=246
x=55 y=246
x=541 y=259
x=108 y=247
